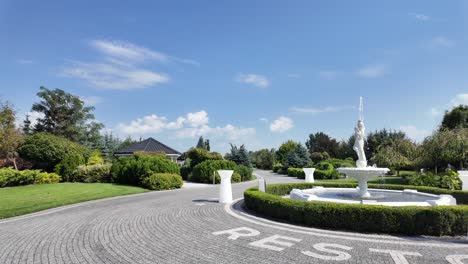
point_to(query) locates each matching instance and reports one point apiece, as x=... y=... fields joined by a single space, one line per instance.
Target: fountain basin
x=406 y=197
x=362 y=175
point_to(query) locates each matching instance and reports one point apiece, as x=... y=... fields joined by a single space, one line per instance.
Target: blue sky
x=253 y=72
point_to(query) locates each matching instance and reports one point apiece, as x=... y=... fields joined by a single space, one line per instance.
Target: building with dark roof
x=149 y=145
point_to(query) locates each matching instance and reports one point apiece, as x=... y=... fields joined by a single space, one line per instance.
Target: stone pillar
x=309 y=174
x=463 y=175
x=225 y=190
x=261 y=185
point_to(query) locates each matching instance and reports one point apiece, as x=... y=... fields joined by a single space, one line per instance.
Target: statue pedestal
x=225 y=190
x=309 y=174
x=463 y=175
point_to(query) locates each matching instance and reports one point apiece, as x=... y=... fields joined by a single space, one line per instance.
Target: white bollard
x=261 y=185
x=309 y=174
x=225 y=190
x=463 y=175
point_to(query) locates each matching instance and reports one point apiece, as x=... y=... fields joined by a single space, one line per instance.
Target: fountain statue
x=362 y=173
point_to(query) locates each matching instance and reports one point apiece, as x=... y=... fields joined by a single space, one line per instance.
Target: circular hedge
x=407 y=220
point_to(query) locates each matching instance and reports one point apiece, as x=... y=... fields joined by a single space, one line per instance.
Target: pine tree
x=298 y=158
x=201 y=143
x=27 y=130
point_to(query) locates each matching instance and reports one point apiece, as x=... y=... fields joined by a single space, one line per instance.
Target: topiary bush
x=92 y=173
x=325 y=170
x=244 y=171
x=411 y=220
x=204 y=171
x=132 y=170
x=236 y=177
x=296 y=172
x=10 y=177
x=162 y=181
x=277 y=167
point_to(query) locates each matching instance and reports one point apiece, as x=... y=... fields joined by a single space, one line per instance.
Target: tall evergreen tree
x=298 y=158
x=239 y=155
x=201 y=143
x=27 y=129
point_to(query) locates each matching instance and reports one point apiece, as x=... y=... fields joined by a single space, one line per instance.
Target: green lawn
x=32 y=198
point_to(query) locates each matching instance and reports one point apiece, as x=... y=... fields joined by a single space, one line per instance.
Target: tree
x=396 y=154
x=284 y=149
x=10 y=137
x=239 y=155
x=202 y=144
x=27 y=129
x=263 y=159
x=198 y=155
x=456 y=118
x=109 y=145
x=321 y=142
x=65 y=115
x=380 y=137
x=345 y=149
x=298 y=158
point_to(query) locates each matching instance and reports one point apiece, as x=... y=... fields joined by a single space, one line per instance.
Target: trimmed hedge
x=92 y=173
x=204 y=171
x=162 y=181
x=408 y=220
x=10 y=177
x=132 y=170
x=244 y=171
x=277 y=167
x=296 y=172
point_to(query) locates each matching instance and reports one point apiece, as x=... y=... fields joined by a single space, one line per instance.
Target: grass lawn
x=32 y=198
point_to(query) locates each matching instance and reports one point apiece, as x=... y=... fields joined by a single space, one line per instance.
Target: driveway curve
x=187 y=226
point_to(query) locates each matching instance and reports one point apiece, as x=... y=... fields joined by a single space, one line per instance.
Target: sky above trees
x=242 y=72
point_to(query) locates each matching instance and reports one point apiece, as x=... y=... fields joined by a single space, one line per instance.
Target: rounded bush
x=236 y=177
x=92 y=173
x=162 y=181
x=68 y=165
x=296 y=172
x=277 y=167
x=325 y=170
x=408 y=220
x=244 y=171
x=45 y=178
x=132 y=170
x=10 y=177
x=204 y=171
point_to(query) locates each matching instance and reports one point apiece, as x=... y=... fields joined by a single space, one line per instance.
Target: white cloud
x=372 y=71
x=114 y=76
x=253 y=79
x=415 y=133
x=192 y=125
x=127 y=51
x=434 y=112
x=328 y=75
x=91 y=100
x=33 y=117
x=420 y=17
x=263 y=120
x=460 y=99
x=442 y=42
x=282 y=124
x=319 y=110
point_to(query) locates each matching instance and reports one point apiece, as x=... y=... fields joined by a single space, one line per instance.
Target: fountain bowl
x=362 y=175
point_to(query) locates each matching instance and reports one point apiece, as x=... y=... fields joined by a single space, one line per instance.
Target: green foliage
x=162 y=181
x=298 y=158
x=46 y=150
x=277 y=167
x=203 y=144
x=321 y=142
x=342 y=163
x=236 y=177
x=325 y=170
x=92 y=173
x=198 y=155
x=319 y=156
x=239 y=155
x=244 y=171
x=435 y=221
x=10 y=177
x=284 y=150
x=132 y=170
x=380 y=137
x=456 y=118
x=65 y=115
x=69 y=164
x=296 y=172
x=263 y=159
x=185 y=172
x=204 y=171
x=95 y=158
x=10 y=136
x=396 y=154
x=448 y=180
x=110 y=144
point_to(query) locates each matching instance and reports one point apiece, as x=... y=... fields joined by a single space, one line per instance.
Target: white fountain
x=363 y=173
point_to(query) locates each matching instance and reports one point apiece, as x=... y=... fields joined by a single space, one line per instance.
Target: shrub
x=204 y=171
x=449 y=180
x=132 y=170
x=185 y=172
x=236 y=177
x=277 y=167
x=68 y=165
x=198 y=155
x=10 y=177
x=325 y=170
x=411 y=220
x=92 y=173
x=95 y=158
x=296 y=172
x=162 y=181
x=244 y=171
x=46 y=150
x=339 y=163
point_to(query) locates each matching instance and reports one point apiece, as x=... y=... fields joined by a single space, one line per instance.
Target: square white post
x=309 y=174
x=463 y=175
x=261 y=185
x=225 y=190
